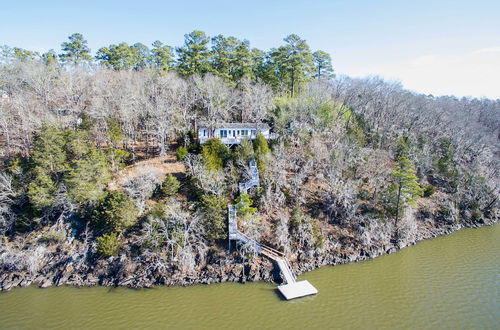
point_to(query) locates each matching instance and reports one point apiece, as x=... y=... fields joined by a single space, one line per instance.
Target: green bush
x=260 y=145
x=114 y=213
x=244 y=205
x=214 y=154
x=429 y=191
x=170 y=185
x=108 y=245
x=181 y=153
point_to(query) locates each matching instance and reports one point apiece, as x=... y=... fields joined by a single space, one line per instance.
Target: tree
x=214 y=154
x=24 y=54
x=108 y=245
x=181 y=153
x=214 y=213
x=231 y=58
x=405 y=189
x=115 y=132
x=141 y=56
x=117 y=57
x=244 y=205
x=75 y=51
x=162 y=56
x=323 y=63
x=260 y=144
x=48 y=164
x=87 y=177
x=193 y=56
x=293 y=62
x=50 y=58
x=114 y=213
x=170 y=185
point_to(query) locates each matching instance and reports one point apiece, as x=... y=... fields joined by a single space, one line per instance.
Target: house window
x=204 y=132
x=223 y=133
x=234 y=133
x=253 y=132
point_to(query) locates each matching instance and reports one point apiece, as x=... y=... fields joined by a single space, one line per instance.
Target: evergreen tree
x=24 y=54
x=108 y=245
x=214 y=211
x=323 y=63
x=260 y=145
x=162 y=56
x=170 y=185
x=50 y=58
x=244 y=205
x=87 y=177
x=223 y=57
x=117 y=57
x=293 y=62
x=193 y=56
x=114 y=213
x=141 y=56
x=214 y=154
x=404 y=190
x=75 y=51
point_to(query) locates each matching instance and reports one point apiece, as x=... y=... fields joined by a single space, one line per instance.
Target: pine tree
x=323 y=63
x=162 y=56
x=194 y=55
x=405 y=190
x=75 y=51
x=114 y=213
x=170 y=185
x=214 y=211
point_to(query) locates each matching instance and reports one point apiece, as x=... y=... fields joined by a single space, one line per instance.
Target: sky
x=437 y=47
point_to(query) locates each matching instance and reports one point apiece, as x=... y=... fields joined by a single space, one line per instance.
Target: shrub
x=114 y=213
x=260 y=145
x=181 y=153
x=170 y=185
x=108 y=245
x=214 y=154
x=429 y=191
x=244 y=205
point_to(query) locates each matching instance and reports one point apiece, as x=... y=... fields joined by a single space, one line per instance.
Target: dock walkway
x=292 y=289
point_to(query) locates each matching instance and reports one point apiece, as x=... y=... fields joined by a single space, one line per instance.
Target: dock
x=290 y=289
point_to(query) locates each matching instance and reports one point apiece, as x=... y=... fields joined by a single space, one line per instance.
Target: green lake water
x=451 y=282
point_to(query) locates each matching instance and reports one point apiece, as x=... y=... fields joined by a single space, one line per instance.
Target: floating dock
x=297 y=289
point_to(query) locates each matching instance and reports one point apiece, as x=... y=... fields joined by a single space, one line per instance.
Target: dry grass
x=159 y=166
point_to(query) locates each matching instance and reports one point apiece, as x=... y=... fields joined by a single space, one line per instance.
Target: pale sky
x=438 y=47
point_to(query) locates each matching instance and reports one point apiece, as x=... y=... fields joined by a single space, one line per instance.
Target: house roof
x=239 y=125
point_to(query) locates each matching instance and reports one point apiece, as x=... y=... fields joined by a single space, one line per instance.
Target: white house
x=234 y=133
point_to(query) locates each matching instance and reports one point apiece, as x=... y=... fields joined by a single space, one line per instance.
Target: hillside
x=103 y=180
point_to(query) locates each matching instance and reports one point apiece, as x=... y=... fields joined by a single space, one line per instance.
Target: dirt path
x=159 y=166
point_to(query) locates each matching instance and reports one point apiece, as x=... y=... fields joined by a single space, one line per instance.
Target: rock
x=45 y=283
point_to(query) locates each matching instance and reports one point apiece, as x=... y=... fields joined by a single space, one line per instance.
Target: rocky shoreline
x=62 y=268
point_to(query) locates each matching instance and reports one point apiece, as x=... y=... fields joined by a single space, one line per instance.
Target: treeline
x=286 y=67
